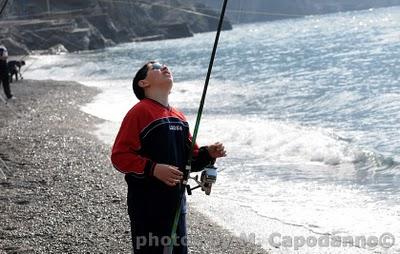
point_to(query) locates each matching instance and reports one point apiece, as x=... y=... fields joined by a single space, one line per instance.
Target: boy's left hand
x=216 y=150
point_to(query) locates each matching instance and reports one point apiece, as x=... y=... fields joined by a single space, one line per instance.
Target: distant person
x=152 y=149
x=14 y=69
x=4 y=78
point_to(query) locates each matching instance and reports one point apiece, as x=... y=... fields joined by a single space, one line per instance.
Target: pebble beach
x=58 y=190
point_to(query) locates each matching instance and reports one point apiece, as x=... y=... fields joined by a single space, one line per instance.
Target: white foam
x=113 y=102
x=295 y=209
x=279 y=142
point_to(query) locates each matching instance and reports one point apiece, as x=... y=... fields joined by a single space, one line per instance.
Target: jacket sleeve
x=201 y=158
x=125 y=155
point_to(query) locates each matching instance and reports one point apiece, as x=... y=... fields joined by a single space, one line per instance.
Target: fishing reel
x=207 y=179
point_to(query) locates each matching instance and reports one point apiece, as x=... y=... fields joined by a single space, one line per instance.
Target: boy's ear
x=143 y=83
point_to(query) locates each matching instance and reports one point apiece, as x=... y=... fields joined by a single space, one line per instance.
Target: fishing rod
x=184 y=186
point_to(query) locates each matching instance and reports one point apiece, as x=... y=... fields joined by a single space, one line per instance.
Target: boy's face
x=158 y=77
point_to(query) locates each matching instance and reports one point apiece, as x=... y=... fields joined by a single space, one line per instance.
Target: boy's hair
x=140 y=75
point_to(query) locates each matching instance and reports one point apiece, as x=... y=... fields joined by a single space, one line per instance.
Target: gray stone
x=57 y=49
x=173 y=31
x=107 y=28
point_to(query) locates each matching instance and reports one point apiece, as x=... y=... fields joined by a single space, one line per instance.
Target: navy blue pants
x=145 y=242
x=151 y=223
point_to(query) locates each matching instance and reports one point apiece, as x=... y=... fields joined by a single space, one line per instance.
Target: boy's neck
x=162 y=99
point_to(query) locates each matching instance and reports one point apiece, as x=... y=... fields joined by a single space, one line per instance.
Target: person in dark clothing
x=14 y=69
x=4 y=78
x=151 y=149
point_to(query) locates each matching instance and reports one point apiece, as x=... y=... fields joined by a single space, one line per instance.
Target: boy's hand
x=216 y=150
x=168 y=174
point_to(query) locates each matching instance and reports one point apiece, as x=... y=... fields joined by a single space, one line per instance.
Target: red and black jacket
x=152 y=133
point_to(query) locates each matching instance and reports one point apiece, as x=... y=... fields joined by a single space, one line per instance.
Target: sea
x=308 y=110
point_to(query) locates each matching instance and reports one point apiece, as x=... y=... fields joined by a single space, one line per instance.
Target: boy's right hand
x=168 y=174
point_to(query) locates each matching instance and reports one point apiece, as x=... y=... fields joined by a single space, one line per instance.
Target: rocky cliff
x=75 y=25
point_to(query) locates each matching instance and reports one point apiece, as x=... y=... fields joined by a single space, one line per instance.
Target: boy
x=152 y=148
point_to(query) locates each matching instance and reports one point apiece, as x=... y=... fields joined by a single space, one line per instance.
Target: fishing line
x=204 y=14
x=263 y=13
x=165 y=6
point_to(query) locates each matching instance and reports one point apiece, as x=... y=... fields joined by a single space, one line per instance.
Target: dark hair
x=140 y=75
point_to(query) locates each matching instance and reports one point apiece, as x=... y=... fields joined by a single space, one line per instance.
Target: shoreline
x=61 y=194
